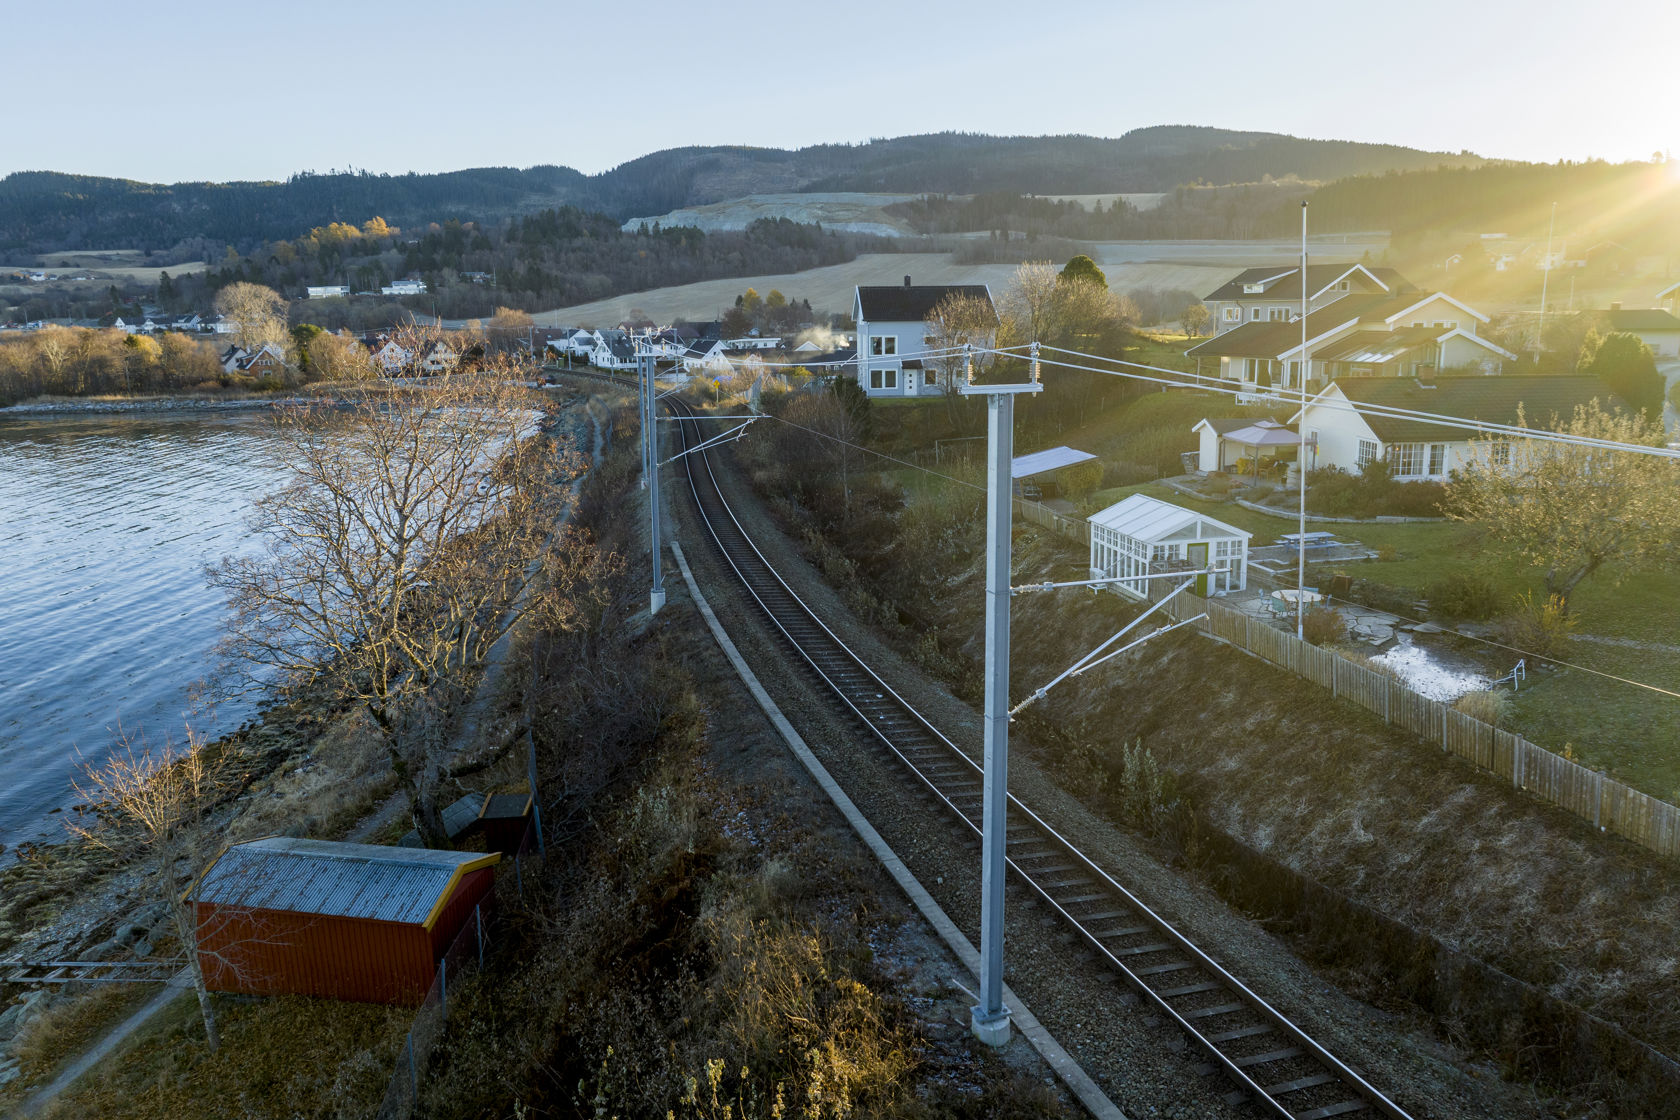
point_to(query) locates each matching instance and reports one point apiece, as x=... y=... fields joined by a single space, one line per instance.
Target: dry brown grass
x=280 y=1058
x=66 y=1028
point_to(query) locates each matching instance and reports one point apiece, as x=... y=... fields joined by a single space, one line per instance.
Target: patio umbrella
x=1262 y=433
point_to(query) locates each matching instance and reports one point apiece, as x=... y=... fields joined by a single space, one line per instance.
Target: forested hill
x=47 y=211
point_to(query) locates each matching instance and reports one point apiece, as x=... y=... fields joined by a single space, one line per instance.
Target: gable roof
x=1284 y=281
x=1638 y=319
x=1149 y=519
x=1492 y=400
x=324 y=877
x=911 y=302
x=1223 y=424
x=1672 y=289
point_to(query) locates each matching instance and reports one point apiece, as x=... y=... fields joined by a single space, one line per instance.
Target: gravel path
x=1142 y=1065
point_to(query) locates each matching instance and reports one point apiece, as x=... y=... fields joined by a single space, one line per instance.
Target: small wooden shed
x=1140 y=534
x=361 y=922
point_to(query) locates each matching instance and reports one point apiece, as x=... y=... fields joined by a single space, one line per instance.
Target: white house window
x=1280 y=314
x=883 y=345
x=1499 y=454
x=1367 y=452
x=1437 y=458
x=883 y=379
x=1406 y=459
x=1254 y=314
x=1232 y=314
x=928 y=377
x=1341 y=285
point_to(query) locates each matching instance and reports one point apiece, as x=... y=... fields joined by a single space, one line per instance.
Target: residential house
x=404 y=288
x=1372 y=335
x=705 y=356
x=1273 y=294
x=218 y=324
x=615 y=350
x=391 y=357
x=437 y=356
x=1656 y=328
x=753 y=341
x=267 y=359
x=582 y=341
x=231 y=357
x=187 y=323
x=1358 y=419
x=892 y=335
x=327 y=291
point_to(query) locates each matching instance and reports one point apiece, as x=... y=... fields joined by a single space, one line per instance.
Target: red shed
x=359 y=922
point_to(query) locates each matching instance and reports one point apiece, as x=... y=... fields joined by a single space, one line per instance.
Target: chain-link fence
x=464 y=956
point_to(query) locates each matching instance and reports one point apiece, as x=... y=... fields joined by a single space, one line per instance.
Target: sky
x=183 y=89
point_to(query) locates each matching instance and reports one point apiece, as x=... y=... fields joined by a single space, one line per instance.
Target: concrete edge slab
x=1079 y=1083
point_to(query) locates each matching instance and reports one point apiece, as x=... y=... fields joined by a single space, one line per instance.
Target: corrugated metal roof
x=1040 y=461
x=1149 y=519
x=340 y=880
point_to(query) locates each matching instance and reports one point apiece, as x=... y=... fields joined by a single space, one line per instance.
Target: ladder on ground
x=85 y=972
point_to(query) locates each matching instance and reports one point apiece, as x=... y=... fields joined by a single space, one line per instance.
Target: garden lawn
x=1628 y=731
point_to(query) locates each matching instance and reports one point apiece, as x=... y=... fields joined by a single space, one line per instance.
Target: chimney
x=1616 y=306
x=907 y=281
x=1426 y=377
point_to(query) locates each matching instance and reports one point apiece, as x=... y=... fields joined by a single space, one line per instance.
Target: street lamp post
x=989 y=1019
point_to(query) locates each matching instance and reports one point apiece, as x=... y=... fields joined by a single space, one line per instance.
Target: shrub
x=1543 y=628
x=1373 y=492
x=1321 y=625
x=1487 y=706
x=1463 y=595
x=1142 y=790
x=1080 y=479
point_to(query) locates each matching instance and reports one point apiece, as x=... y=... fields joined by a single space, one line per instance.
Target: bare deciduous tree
x=959 y=321
x=154 y=803
x=259 y=314
x=1031 y=301
x=414 y=521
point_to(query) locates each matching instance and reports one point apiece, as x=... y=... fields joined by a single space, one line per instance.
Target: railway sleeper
x=1340 y=1109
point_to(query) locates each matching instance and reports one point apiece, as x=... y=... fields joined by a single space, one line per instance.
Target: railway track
x=1270 y=1060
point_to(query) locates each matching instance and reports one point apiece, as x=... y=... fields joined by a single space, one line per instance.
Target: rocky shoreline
x=145 y=404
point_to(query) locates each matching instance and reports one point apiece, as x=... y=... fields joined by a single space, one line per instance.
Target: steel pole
x=650 y=425
x=990 y=1018
x=1301 y=453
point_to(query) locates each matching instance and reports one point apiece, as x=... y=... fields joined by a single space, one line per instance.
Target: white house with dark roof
x=892 y=337
x=1409 y=334
x=1358 y=419
x=1653 y=326
x=1273 y=294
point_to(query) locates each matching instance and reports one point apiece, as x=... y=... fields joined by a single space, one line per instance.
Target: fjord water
x=106 y=620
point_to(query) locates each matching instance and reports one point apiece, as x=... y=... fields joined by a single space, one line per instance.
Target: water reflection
x=105 y=617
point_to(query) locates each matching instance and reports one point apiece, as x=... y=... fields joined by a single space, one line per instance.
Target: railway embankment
x=1544 y=944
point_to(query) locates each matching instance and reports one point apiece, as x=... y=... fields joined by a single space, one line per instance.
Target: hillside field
x=1198 y=266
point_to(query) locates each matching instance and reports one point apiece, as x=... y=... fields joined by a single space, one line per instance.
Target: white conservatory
x=1131 y=535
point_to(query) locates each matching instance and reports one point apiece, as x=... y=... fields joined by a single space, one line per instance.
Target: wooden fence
x=1607 y=803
